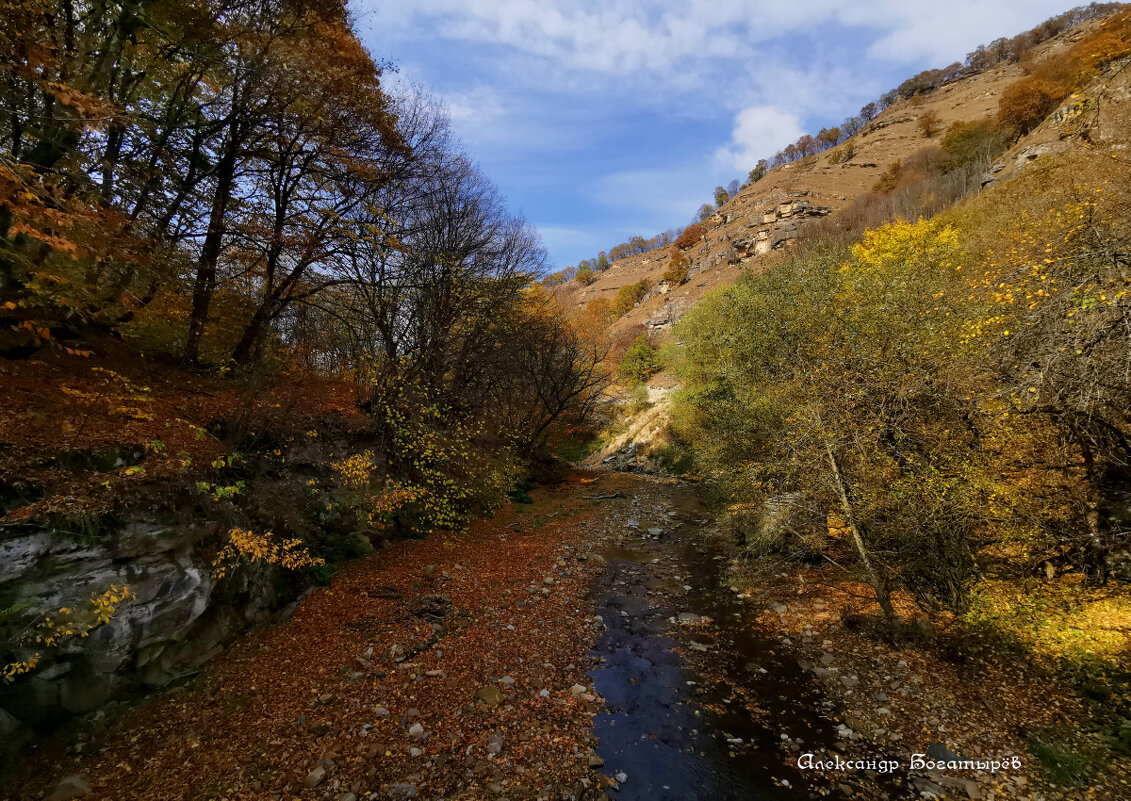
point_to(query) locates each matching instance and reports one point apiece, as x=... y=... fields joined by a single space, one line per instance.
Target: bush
x=678 y=267
x=928 y=123
x=585 y=276
x=629 y=295
x=1027 y=101
x=640 y=361
x=843 y=154
x=690 y=236
x=966 y=143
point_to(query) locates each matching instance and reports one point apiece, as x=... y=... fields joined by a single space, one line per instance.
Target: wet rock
x=688 y=617
x=596 y=761
x=940 y=753
x=621 y=777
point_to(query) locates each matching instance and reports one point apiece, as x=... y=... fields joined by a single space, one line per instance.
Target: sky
x=601 y=119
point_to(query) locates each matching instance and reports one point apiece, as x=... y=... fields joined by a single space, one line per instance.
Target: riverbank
x=436 y=668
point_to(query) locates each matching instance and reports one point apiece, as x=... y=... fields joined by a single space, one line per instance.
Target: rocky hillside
x=755 y=226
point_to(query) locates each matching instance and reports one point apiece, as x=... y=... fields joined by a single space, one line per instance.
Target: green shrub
x=629 y=295
x=640 y=361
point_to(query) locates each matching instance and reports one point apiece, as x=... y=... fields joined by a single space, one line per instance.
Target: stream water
x=667 y=730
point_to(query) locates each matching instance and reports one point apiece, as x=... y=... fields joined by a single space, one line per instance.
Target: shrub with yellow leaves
x=53 y=629
x=247 y=545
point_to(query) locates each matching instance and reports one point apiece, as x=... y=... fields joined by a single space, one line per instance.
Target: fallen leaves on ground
x=439 y=667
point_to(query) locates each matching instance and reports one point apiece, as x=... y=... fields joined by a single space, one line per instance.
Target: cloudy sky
x=601 y=119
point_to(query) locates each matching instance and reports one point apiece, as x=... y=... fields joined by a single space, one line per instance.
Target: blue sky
x=601 y=119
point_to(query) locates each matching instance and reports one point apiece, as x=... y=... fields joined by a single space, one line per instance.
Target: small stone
x=508 y=680
x=655 y=532
x=688 y=617
x=596 y=761
x=621 y=777
x=315 y=777
x=576 y=689
x=402 y=791
x=348 y=797
x=416 y=731
x=490 y=695
x=495 y=744
x=414 y=751
x=827 y=658
x=430 y=572
x=544 y=693
x=380 y=711
x=495 y=787
x=849 y=681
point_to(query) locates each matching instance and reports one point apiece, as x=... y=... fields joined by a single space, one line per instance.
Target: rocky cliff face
x=751 y=229
x=179 y=620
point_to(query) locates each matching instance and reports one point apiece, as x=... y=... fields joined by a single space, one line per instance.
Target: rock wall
x=180 y=618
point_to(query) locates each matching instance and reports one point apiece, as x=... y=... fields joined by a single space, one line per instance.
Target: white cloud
x=758 y=132
x=659 y=198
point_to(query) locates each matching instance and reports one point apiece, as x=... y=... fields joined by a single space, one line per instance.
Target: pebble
x=495 y=744
x=544 y=693
x=621 y=777
x=315 y=777
x=416 y=731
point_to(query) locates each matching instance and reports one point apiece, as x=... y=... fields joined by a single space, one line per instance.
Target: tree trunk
x=205 y=283
x=878 y=585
